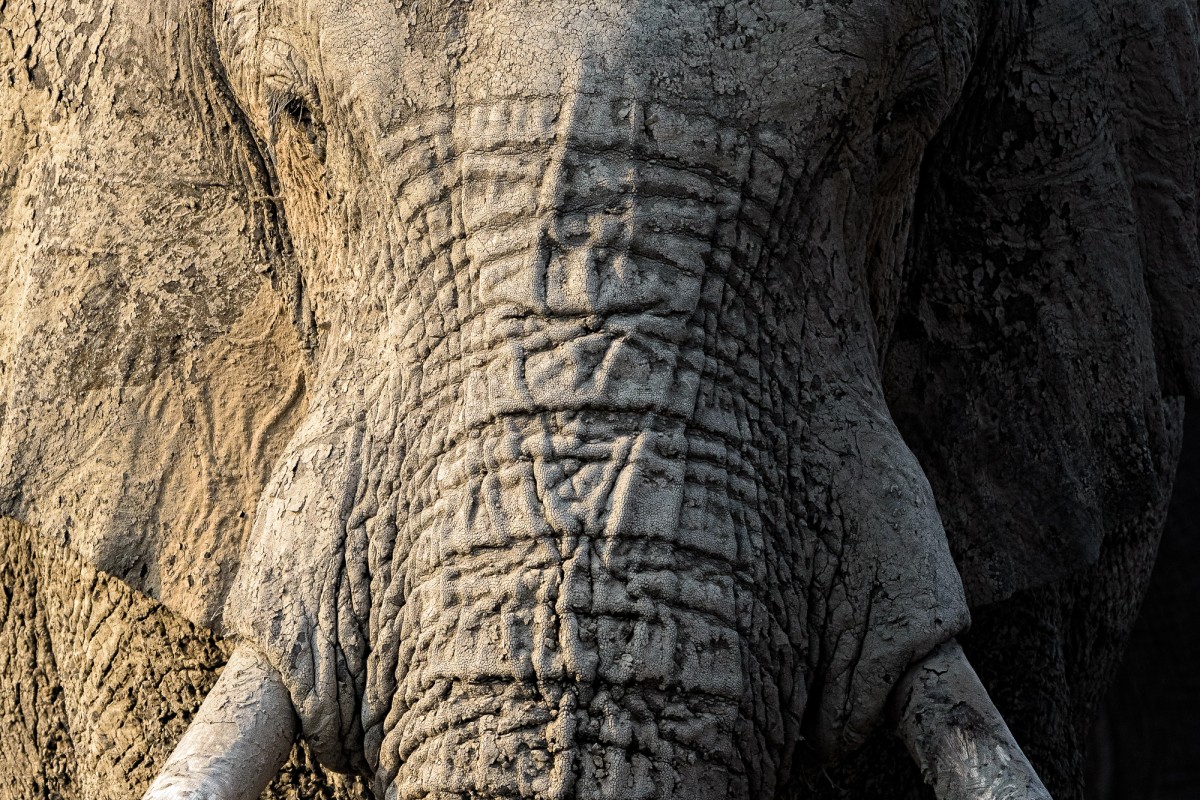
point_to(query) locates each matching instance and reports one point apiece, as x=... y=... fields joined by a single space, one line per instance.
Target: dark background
x=1146 y=744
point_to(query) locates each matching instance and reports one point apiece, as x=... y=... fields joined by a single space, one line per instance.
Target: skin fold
x=621 y=399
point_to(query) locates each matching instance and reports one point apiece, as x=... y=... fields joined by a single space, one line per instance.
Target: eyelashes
x=293 y=104
x=293 y=111
x=300 y=111
x=921 y=100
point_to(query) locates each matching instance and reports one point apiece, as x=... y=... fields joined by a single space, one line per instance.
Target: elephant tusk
x=239 y=740
x=957 y=736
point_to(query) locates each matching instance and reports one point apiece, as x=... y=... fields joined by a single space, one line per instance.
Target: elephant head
x=523 y=383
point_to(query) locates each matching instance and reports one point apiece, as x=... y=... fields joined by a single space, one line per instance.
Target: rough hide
x=1055 y=288
x=149 y=369
x=100 y=681
x=520 y=378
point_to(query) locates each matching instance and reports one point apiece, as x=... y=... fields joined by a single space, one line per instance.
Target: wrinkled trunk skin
x=599 y=481
x=589 y=530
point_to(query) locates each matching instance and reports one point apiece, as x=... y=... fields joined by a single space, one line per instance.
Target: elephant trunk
x=574 y=478
x=238 y=741
x=608 y=503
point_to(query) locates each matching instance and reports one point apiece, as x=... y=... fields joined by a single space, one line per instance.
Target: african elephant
x=614 y=399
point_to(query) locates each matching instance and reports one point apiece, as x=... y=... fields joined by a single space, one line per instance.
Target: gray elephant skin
x=609 y=399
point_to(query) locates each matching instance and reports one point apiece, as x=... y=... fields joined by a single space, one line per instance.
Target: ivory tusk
x=239 y=740
x=957 y=736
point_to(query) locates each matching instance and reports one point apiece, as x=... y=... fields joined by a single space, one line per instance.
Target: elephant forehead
x=760 y=60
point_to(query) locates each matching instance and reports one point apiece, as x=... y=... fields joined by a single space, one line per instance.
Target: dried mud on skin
x=100 y=681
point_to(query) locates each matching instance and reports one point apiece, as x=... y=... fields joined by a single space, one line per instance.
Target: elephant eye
x=297 y=113
x=917 y=94
x=292 y=101
x=921 y=100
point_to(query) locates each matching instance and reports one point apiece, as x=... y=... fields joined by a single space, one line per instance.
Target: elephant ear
x=1157 y=114
x=150 y=374
x=1053 y=294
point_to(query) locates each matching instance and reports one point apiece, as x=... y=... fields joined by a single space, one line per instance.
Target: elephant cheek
x=886 y=589
x=302 y=592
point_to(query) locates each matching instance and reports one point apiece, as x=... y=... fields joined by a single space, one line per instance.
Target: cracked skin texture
x=103 y=681
x=611 y=495
x=516 y=369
